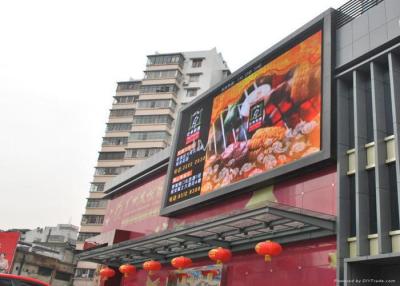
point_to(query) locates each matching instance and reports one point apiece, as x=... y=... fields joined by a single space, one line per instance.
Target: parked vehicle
x=17 y=280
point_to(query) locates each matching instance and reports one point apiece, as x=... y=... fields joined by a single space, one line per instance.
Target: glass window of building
x=159 y=103
x=141 y=152
x=115 y=141
x=97 y=187
x=160 y=88
x=84 y=273
x=165 y=59
x=92 y=219
x=82 y=236
x=152 y=119
x=196 y=63
x=150 y=135
x=162 y=74
x=122 y=112
x=96 y=203
x=194 y=77
x=128 y=85
x=190 y=92
x=111 y=155
x=124 y=99
x=106 y=171
x=118 y=127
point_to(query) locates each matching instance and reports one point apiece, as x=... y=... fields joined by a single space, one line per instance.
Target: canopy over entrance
x=239 y=230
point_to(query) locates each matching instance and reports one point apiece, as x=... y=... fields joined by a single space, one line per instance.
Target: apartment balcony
x=131 y=105
x=163 y=95
x=96 y=195
x=112 y=148
x=102 y=178
x=124 y=133
x=91 y=228
x=171 y=66
x=110 y=163
x=121 y=119
x=174 y=81
x=151 y=127
x=95 y=211
x=154 y=143
x=154 y=111
x=127 y=92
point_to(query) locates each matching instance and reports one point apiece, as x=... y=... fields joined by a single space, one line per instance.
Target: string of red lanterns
x=219 y=255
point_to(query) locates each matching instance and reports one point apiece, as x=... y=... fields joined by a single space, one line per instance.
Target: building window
x=191 y=92
x=118 y=127
x=84 y=273
x=161 y=103
x=106 y=171
x=111 y=155
x=92 y=219
x=128 y=85
x=44 y=271
x=194 y=77
x=122 y=112
x=56 y=238
x=110 y=171
x=196 y=63
x=115 y=141
x=162 y=74
x=97 y=187
x=82 y=236
x=124 y=99
x=63 y=276
x=150 y=135
x=160 y=88
x=96 y=203
x=141 y=152
x=165 y=59
x=152 y=119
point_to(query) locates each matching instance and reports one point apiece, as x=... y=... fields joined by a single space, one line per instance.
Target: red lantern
x=181 y=262
x=152 y=266
x=127 y=269
x=220 y=255
x=106 y=273
x=268 y=248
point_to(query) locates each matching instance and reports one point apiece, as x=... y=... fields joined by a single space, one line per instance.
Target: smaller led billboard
x=8 y=247
x=263 y=122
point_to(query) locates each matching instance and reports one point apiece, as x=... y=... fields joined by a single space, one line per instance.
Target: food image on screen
x=269 y=119
x=266 y=117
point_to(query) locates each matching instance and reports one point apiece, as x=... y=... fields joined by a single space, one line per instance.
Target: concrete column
x=394 y=76
x=381 y=170
x=342 y=187
x=361 y=177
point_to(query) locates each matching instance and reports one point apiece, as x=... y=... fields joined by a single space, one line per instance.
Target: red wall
x=302 y=263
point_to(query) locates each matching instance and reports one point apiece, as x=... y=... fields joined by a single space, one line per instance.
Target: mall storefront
x=299 y=147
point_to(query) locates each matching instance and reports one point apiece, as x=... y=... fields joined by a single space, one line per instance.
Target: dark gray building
x=367 y=75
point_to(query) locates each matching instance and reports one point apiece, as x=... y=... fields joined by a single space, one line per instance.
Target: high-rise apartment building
x=141 y=123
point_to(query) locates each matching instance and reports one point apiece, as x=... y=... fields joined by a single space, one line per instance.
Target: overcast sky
x=59 y=64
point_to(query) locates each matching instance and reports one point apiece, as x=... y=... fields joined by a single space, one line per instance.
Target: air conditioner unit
x=185 y=83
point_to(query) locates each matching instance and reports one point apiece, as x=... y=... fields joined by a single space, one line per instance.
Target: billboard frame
x=325 y=23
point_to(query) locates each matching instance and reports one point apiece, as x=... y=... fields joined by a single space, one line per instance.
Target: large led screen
x=266 y=118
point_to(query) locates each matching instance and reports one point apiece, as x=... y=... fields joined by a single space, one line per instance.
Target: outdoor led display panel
x=258 y=125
